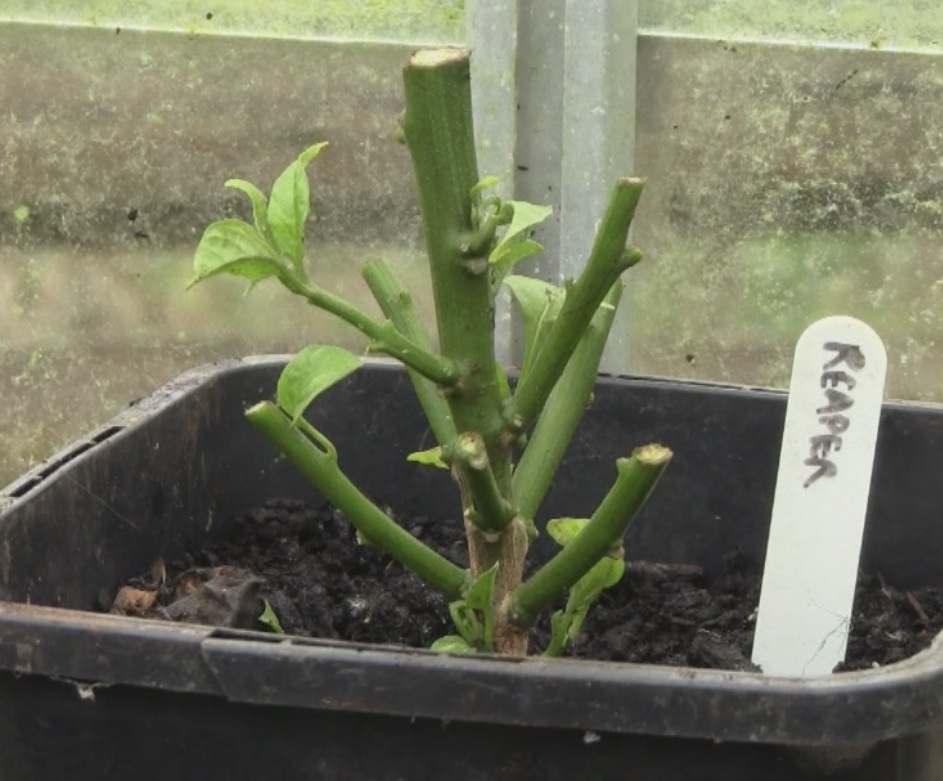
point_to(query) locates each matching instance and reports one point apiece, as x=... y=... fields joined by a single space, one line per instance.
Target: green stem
x=608 y=259
x=491 y=511
x=316 y=459
x=562 y=412
x=437 y=127
x=386 y=339
x=636 y=477
x=396 y=303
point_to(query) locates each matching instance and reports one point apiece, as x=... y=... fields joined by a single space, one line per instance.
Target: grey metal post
x=554 y=88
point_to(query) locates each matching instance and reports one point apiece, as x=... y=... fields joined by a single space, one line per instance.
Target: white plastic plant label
x=821 y=499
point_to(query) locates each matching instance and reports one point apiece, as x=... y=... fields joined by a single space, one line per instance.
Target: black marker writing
x=832 y=414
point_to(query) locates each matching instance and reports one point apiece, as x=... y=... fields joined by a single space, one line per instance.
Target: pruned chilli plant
x=502 y=444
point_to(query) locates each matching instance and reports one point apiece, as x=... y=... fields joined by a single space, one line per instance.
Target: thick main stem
x=438 y=129
x=437 y=126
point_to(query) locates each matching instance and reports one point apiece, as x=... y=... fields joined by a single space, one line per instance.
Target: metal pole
x=554 y=88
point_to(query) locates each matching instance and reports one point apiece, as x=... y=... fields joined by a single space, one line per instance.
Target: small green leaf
x=614 y=570
x=269 y=620
x=234 y=247
x=430 y=457
x=602 y=575
x=289 y=206
x=564 y=530
x=478 y=596
x=534 y=297
x=466 y=622
x=559 y=633
x=544 y=324
x=526 y=216
x=540 y=303
x=473 y=615
x=519 y=250
x=480 y=599
x=452 y=644
x=259 y=203
x=486 y=183
x=565 y=624
x=309 y=373
x=311 y=152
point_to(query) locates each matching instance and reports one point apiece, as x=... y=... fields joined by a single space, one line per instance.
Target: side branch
x=607 y=261
x=396 y=303
x=316 y=459
x=561 y=415
x=490 y=511
x=636 y=478
x=386 y=338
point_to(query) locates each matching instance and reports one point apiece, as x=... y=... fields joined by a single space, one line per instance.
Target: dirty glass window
x=793 y=152
x=795 y=166
x=914 y=24
x=406 y=21
x=115 y=142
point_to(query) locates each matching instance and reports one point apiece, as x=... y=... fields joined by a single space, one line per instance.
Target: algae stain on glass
x=438 y=21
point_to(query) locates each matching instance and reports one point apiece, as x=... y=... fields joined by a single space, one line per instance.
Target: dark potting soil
x=320 y=582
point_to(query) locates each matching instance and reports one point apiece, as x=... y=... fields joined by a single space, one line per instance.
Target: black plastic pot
x=91 y=696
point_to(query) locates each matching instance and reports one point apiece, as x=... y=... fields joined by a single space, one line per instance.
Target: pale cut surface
x=433 y=58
